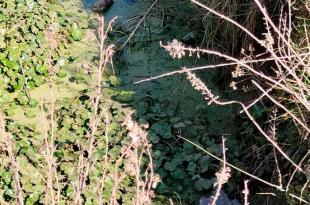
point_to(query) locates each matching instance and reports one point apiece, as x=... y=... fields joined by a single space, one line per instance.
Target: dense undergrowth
x=44 y=136
x=267 y=64
x=75 y=150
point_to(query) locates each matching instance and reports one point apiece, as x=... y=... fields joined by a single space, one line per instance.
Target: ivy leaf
x=75 y=32
x=42 y=69
x=162 y=129
x=115 y=81
x=69 y=191
x=30 y=4
x=62 y=74
x=10 y=111
x=67 y=168
x=33 y=103
x=125 y=96
x=6 y=177
x=22 y=99
x=191 y=167
x=204 y=163
x=11 y=64
x=153 y=137
x=179 y=174
x=203 y=184
x=171 y=166
x=59 y=153
x=30 y=113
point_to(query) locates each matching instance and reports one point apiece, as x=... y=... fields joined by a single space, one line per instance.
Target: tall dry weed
x=288 y=75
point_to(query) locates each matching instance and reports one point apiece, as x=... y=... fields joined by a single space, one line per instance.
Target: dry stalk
x=9 y=148
x=305 y=186
x=295 y=170
x=181 y=71
x=105 y=58
x=303 y=91
x=246 y=193
x=139 y=23
x=134 y=153
x=48 y=152
x=51 y=196
x=211 y=98
x=272 y=132
x=222 y=176
x=245 y=172
x=106 y=157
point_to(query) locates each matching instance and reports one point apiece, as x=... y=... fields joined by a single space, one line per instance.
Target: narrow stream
x=170 y=105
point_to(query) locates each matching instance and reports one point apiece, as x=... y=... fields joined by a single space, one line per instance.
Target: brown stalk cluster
x=291 y=69
x=134 y=155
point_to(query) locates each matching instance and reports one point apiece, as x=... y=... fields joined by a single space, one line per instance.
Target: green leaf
x=30 y=113
x=115 y=81
x=179 y=174
x=69 y=191
x=125 y=96
x=10 y=111
x=75 y=32
x=154 y=137
x=171 y=166
x=11 y=64
x=42 y=69
x=162 y=129
x=191 y=167
x=203 y=184
x=62 y=74
x=22 y=99
x=33 y=103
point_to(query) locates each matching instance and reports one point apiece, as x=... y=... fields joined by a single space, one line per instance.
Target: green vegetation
x=71 y=132
x=27 y=56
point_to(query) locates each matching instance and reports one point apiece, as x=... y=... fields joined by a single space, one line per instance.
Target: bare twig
x=246 y=193
x=138 y=25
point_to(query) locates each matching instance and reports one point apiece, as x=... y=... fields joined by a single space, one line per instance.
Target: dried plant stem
x=238 y=61
x=200 y=86
x=281 y=106
x=295 y=170
x=246 y=193
x=306 y=185
x=272 y=131
x=106 y=157
x=138 y=25
x=181 y=71
x=9 y=147
x=52 y=196
x=245 y=172
x=134 y=154
x=105 y=58
x=222 y=176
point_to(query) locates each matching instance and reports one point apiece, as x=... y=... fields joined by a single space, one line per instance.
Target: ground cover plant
x=283 y=83
x=71 y=134
x=72 y=149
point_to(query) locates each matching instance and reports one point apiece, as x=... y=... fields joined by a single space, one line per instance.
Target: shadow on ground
x=170 y=105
